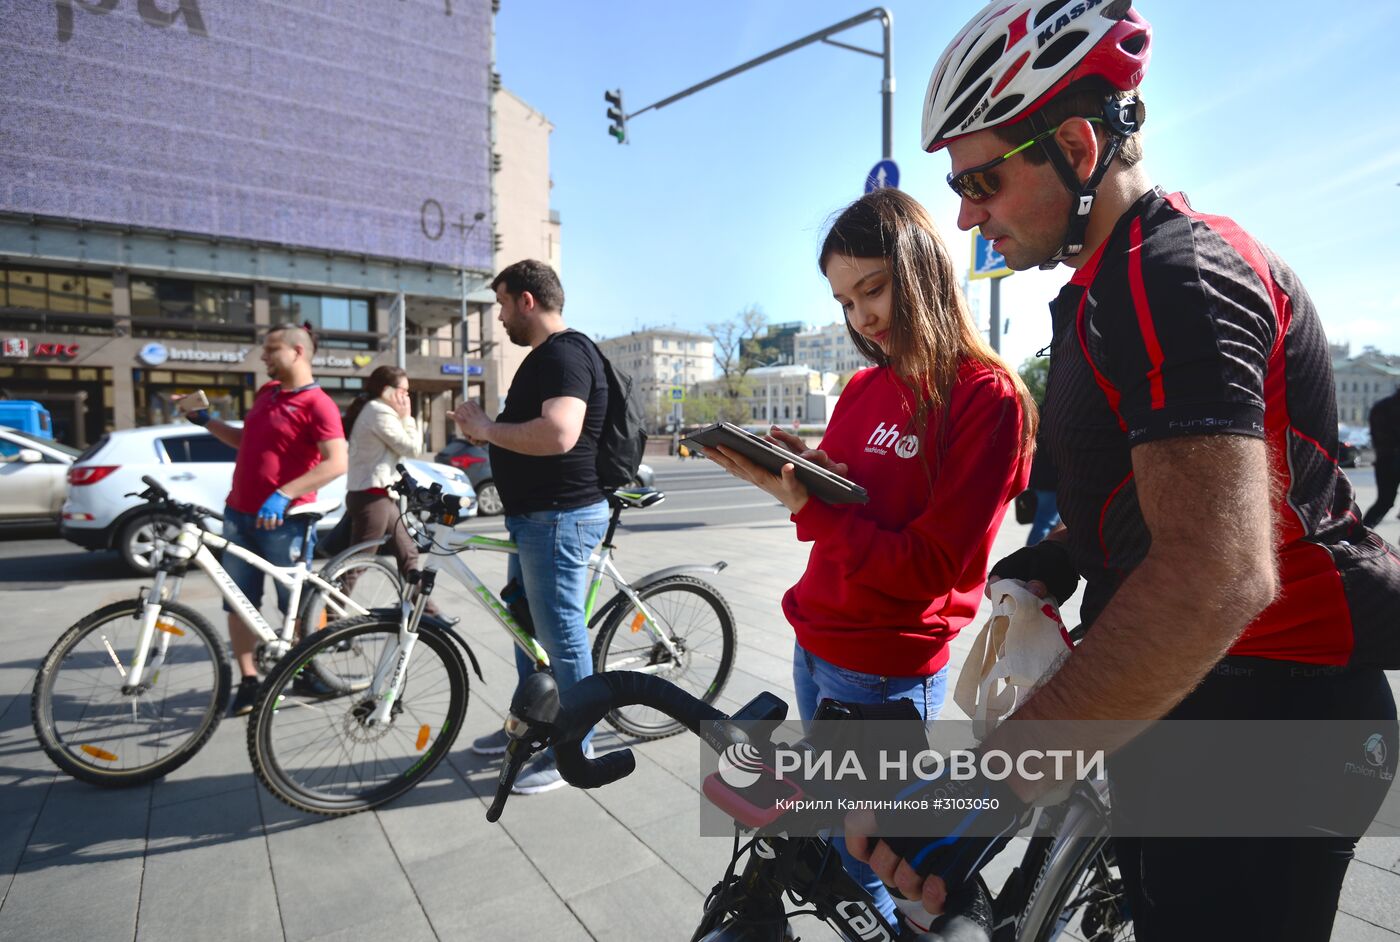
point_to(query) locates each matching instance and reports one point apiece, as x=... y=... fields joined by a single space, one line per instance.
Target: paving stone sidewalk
x=208 y=854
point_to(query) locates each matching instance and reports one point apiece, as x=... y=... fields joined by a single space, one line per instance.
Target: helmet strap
x=1122 y=117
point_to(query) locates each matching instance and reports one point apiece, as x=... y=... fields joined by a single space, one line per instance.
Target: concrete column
x=123 y=395
x=262 y=308
x=121 y=304
x=440 y=411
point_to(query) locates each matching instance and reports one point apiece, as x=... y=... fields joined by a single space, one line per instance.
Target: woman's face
x=862 y=287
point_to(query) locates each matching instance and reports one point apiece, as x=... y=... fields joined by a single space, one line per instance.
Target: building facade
x=782 y=395
x=661 y=361
x=1361 y=380
x=828 y=349
x=377 y=214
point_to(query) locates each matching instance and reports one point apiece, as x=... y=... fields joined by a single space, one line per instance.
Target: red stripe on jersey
x=1144 y=315
x=1113 y=396
x=1103 y=515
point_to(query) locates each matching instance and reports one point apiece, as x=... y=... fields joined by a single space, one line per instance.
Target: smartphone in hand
x=192 y=402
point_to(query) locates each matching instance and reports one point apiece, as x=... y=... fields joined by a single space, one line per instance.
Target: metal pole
x=995 y=324
x=466 y=392
x=401 y=326
x=887 y=85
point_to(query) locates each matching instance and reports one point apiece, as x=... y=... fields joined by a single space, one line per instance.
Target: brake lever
x=517 y=754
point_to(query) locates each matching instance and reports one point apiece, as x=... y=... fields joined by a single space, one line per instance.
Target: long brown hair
x=931 y=330
x=382 y=378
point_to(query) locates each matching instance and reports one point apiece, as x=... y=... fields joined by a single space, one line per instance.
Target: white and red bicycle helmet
x=1015 y=55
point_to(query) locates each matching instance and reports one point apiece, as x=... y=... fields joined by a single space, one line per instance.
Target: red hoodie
x=891 y=582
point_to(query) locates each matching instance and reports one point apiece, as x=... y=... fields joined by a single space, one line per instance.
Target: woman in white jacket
x=381 y=431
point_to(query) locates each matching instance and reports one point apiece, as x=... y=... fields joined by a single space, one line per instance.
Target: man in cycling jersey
x=1190 y=413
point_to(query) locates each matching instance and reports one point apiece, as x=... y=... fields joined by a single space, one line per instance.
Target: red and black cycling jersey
x=1182 y=324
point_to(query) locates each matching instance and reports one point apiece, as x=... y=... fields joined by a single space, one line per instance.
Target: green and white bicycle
x=348 y=753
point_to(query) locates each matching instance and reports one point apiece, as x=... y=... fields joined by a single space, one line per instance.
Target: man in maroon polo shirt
x=291 y=443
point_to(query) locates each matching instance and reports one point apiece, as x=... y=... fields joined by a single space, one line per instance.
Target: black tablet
x=831 y=488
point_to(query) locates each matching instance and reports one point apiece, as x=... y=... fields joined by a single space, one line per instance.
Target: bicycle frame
x=193 y=546
x=600 y=564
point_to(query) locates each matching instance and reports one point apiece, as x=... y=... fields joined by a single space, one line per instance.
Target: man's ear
x=526 y=302
x=1080 y=145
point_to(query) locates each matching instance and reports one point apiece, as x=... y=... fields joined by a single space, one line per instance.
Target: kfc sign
x=58 y=351
x=19 y=347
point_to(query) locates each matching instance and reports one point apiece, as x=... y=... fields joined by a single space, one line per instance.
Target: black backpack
x=624 y=437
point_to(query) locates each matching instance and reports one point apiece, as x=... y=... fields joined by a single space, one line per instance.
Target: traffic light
x=616 y=115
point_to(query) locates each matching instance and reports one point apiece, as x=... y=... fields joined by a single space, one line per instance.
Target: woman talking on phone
x=381 y=430
x=940 y=433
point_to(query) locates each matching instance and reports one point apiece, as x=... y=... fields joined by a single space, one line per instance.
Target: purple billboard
x=356 y=126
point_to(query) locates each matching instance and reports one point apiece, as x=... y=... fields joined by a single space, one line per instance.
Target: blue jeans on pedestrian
x=1047 y=516
x=816 y=679
x=280 y=547
x=552 y=565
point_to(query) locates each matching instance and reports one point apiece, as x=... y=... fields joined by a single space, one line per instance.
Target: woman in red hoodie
x=940 y=433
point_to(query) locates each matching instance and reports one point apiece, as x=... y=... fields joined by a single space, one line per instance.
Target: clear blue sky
x=1281 y=115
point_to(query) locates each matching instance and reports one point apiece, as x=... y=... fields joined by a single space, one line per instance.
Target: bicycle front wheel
x=326 y=754
x=696 y=621
x=371 y=582
x=96 y=728
x=1081 y=893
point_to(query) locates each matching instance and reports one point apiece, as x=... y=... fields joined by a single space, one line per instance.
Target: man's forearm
x=322 y=474
x=228 y=434
x=539 y=437
x=1165 y=628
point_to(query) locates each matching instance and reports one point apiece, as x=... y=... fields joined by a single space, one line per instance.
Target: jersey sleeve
x=1185 y=347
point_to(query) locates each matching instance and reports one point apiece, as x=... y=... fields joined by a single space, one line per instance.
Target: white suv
x=193 y=466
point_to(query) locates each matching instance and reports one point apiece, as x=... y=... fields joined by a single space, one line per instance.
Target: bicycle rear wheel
x=94 y=730
x=697 y=621
x=322 y=754
x=370 y=581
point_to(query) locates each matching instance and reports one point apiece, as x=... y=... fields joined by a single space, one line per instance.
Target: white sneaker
x=540 y=775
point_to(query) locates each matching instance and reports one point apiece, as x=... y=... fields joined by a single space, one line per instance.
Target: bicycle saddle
x=313 y=511
x=636 y=497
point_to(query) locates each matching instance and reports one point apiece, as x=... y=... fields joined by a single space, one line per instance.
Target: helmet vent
x=1134 y=44
x=1049 y=10
x=1004 y=107
x=1063 y=46
x=978 y=69
x=964 y=109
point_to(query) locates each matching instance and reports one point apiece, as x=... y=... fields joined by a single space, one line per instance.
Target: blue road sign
x=987 y=262
x=883 y=174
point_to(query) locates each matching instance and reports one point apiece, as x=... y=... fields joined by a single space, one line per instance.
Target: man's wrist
x=200 y=417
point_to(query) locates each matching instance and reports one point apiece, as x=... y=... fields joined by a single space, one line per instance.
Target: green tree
x=1034 y=372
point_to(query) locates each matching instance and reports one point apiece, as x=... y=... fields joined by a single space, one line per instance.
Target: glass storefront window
x=325 y=312
x=28 y=289
x=204 y=303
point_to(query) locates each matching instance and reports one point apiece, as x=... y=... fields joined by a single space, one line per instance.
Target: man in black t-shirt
x=544 y=446
x=1385 y=439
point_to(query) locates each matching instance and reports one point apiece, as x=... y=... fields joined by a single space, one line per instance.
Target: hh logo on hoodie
x=886 y=437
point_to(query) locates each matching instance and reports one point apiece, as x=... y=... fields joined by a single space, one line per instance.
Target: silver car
x=33 y=476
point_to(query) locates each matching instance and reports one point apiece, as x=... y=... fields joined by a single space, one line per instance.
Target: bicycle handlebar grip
x=154 y=485
x=582 y=772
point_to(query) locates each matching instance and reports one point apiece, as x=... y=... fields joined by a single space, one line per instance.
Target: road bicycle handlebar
x=540 y=716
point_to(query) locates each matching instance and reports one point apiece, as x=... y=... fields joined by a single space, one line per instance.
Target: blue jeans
x=552 y=565
x=280 y=547
x=1047 y=515
x=816 y=679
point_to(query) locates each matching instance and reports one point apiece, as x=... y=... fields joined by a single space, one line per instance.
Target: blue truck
x=28 y=416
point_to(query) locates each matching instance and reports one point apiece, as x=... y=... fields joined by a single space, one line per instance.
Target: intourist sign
x=155 y=354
